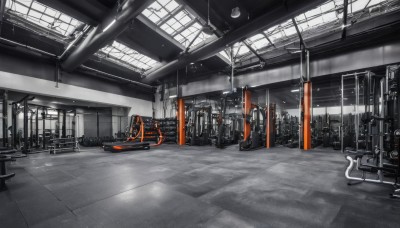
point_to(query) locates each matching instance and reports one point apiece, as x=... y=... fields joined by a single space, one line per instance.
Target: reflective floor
x=170 y=186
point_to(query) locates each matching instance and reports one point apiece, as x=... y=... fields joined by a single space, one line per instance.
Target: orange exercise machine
x=140 y=132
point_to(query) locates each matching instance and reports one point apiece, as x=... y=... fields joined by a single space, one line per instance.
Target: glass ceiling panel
x=43 y=16
x=177 y=22
x=159 y=10
x=326 y=16
x=225 y=55
x=187 y=35
x=129 y=56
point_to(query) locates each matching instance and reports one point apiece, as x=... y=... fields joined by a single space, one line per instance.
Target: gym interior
x=199 y=113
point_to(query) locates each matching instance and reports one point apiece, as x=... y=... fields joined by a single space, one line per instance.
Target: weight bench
x=8 y=151
x=3 y=174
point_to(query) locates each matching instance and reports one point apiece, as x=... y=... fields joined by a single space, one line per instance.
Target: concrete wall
x=379 y=55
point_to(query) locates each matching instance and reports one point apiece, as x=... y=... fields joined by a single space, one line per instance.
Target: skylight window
x=326 y=17
x=258 y=41
x=240 y=49
x=282 y=31
x=43 y=16
x=225 y=55
x=129 y=56
x=159 y=10
x=187 y=35
x=177 y=22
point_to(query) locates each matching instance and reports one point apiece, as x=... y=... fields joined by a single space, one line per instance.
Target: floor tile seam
x=113 y=195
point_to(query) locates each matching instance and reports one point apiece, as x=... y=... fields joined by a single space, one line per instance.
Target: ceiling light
x=225 y=92
x=235 y=12
x=173 y=96
x=109 y=25
x=294 y=90
x=317 y=105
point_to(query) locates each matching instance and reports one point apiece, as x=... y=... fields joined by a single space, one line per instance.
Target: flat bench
x=3 y=173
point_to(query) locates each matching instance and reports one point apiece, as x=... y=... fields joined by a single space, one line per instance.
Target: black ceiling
x=141 y=37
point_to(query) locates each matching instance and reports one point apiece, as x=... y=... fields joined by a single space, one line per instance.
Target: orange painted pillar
x=247 y=109
x=181 y=122
x=307 y=116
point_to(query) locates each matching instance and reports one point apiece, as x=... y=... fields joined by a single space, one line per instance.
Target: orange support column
x=307 y=116
x=181 y=123
x=247 y=109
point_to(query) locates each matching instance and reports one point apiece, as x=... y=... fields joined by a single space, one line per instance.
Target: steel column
x=341 y=114
x=357 y=115
x=64 y=125
x=14 y=125
x=44 y=127
x=5 y=118
x=37 y=128
x=268 y=127
x=26 y=142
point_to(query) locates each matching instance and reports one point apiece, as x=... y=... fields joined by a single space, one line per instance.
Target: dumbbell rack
x=169 y=129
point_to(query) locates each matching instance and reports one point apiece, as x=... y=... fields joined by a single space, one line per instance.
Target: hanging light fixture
x=235 y=12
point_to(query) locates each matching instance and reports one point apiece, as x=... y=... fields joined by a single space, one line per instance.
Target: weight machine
x=253 y=128
x=229 y=123
x=199 y=127
x=377 y=133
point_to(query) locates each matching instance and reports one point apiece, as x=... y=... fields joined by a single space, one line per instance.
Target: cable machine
x=253 y=128
x=377 y=133
x=199 y=126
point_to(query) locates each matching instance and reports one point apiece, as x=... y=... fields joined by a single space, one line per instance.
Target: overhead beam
x=254 y=51
x=299 y=33
x=69 y=8
x=161 y=32
x=2 y=10
x=272 y=17
x=344 y=25
x=114 y=24
x=203 y=17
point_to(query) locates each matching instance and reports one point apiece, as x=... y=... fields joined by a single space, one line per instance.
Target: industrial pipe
x=113 y=25
x=116 y=77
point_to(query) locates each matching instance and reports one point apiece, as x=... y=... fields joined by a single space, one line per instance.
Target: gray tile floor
x=171 y=186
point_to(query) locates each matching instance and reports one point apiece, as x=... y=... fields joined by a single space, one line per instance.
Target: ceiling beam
x=254 y=51
x=274 y=16
x=2 y=10
x=160 y=32
x=112 y=25
x=189 y=6
x=299 y=33
x=69 y=8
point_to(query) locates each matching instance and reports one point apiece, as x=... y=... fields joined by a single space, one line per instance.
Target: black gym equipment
x=253 y=130
x=377 y=132
x=229 y=125
x=198 y=128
